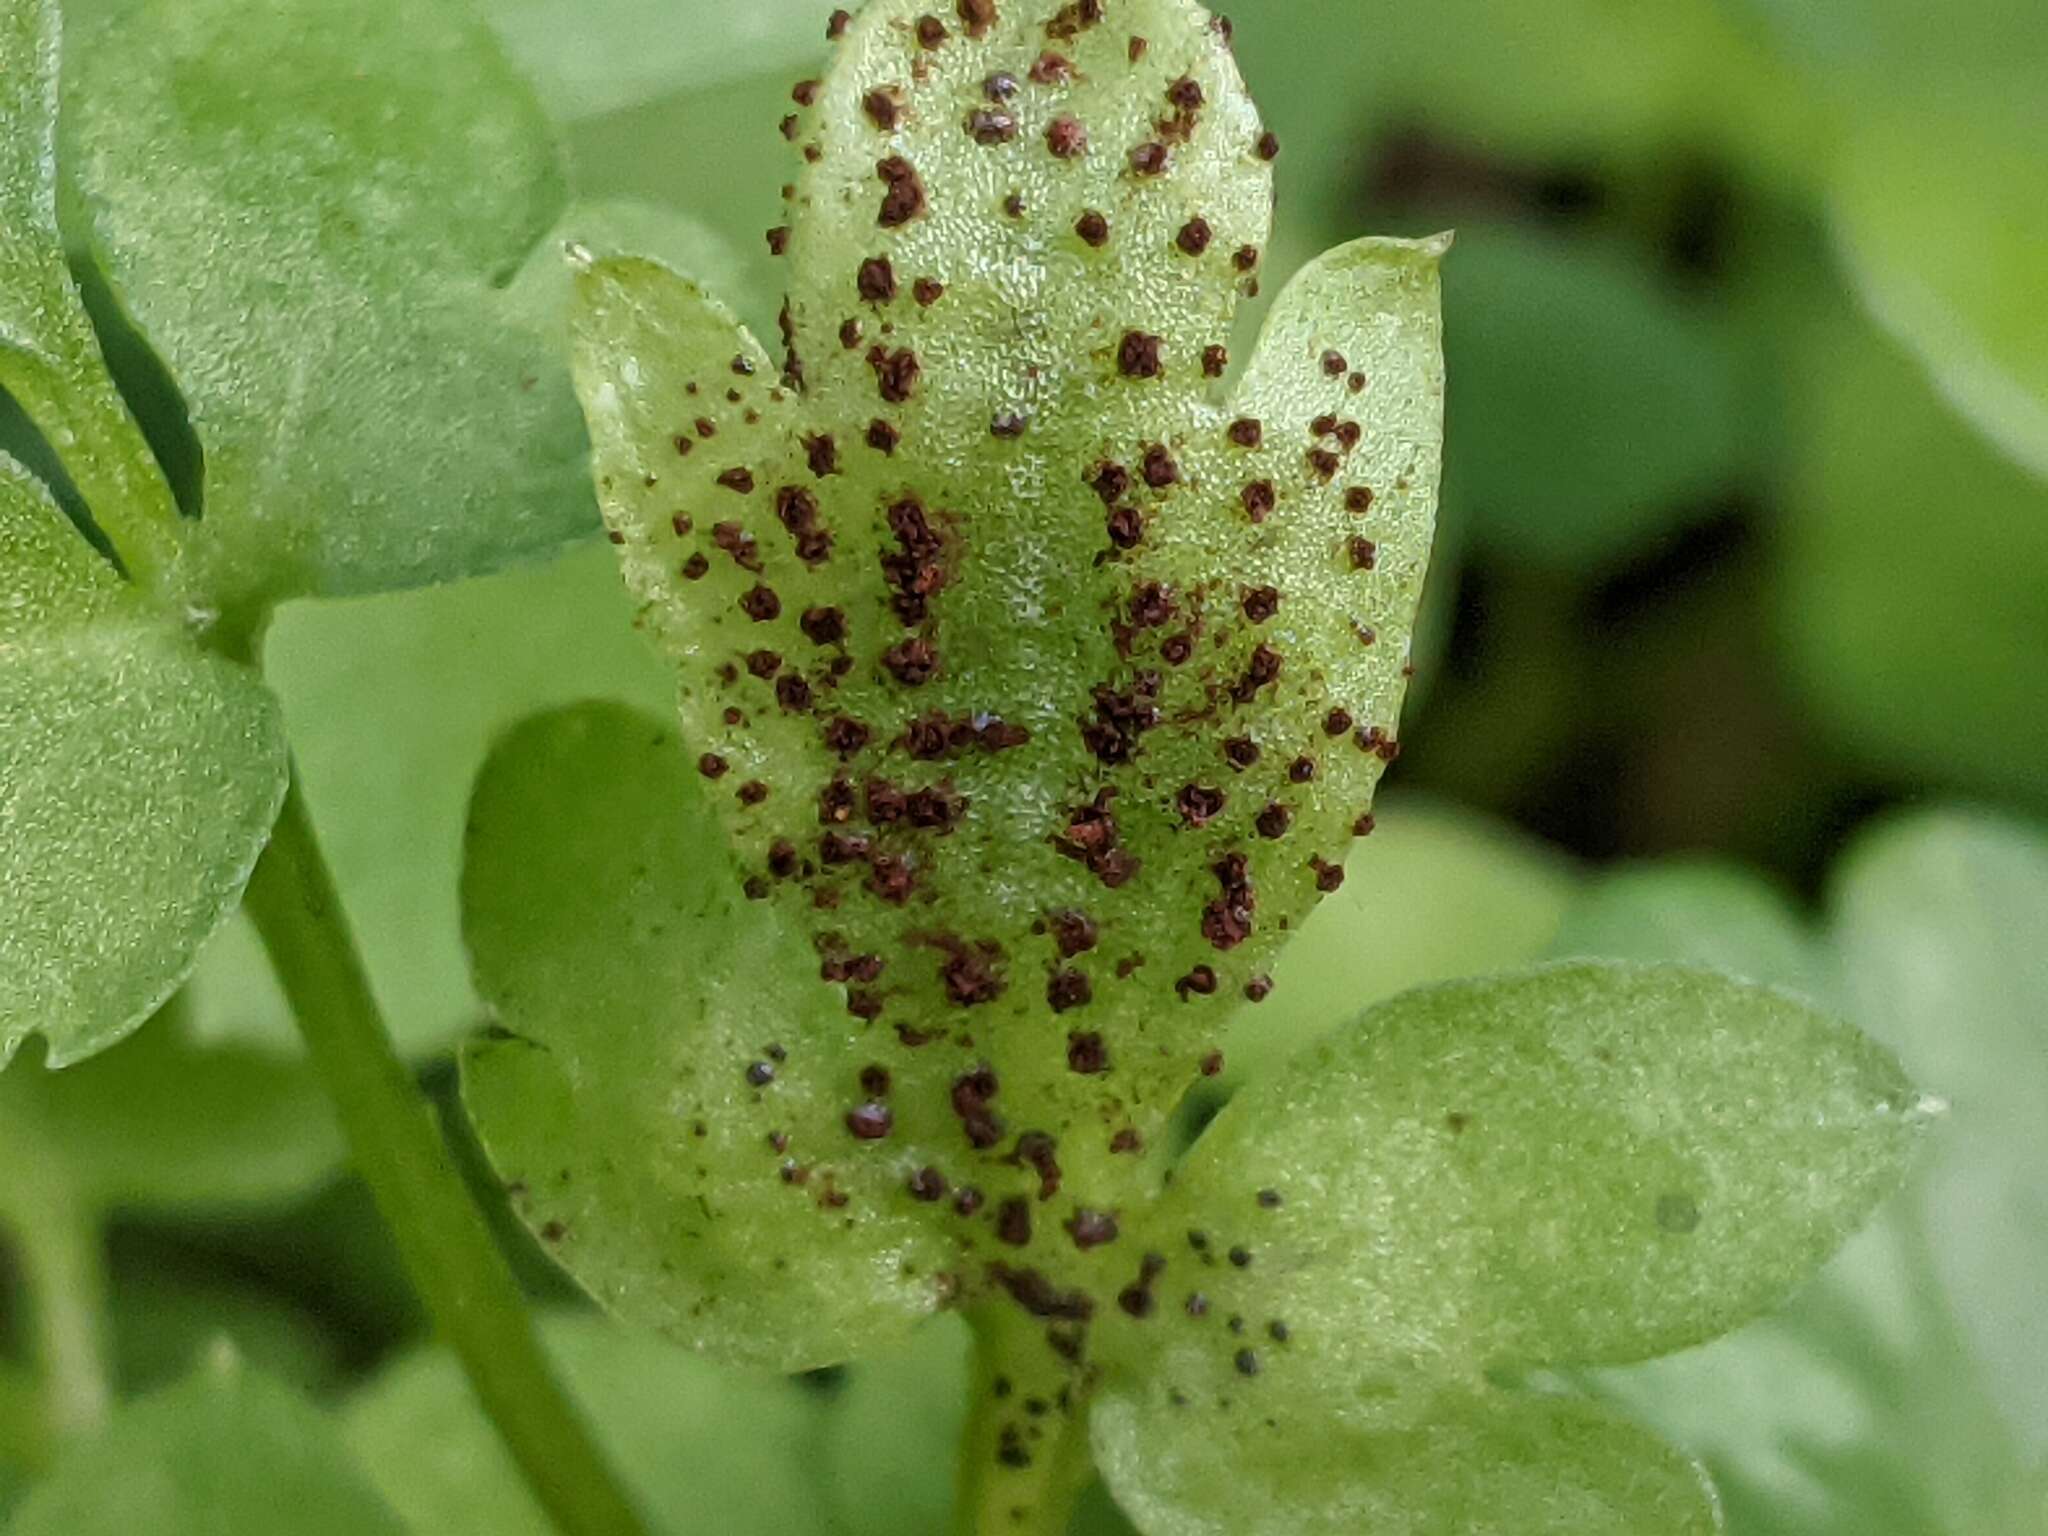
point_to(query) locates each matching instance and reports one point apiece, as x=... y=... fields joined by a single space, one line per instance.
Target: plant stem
x=447 y=1247
x=1024 y=1461
x=64 y=1262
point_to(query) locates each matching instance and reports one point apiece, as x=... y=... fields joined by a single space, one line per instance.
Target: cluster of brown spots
x=1091 y=1229
x=1122 y=716
x=974 y=1096
x=1274 y=820
x=1328 y=876
x=970 y=973
x=1260 y=603
x=912 y=662
x=914 y=571
x=1374 y=739
x=903 y=198
x=1199 y=804
x=1073 y=933
x=937 y=735
x=1227 y=921
x=1039 y=1296
x=1040 y=1153
x=738 y=543
x=797 y=510
x=1348 y=433
x=1137 y=1299
x=1140 y=355
x=1324 y=464
x=1090 y=836
x=1151 y=606
x=1066 y=137
x=896 y=373
x=1261 y=671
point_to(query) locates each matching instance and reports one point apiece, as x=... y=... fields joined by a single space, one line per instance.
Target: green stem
x=1024 y=1461
x=398 y=1149
x=64 y=1264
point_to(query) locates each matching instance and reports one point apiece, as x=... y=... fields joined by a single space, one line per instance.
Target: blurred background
x=1737 y=651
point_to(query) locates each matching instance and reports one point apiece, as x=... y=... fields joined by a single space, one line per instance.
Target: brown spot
x=1126 y=527
x=1013 y=1221
x=1091 y=1229
x=970 y=975
x=882 y=437
x=989 y=126
x=835 y=804
x=1038 y=1296
x=1013 y=205
x=1066 y=138
x=1008 y=424
x=1358 y=499
x=903 y=198
x=1194 y=236
x=764 y=664
x=876 y=280
x=1302 y=770
x=1247 y=433
x=778 y=240
x=1260 y=603
x=1073 y=933
x=896 y=373
x=1241 y=752
x=977 y=16
x=1000 y=86
x=1150 y=159
x=1175 y=650
x=1160 y=468
x=845 y=735
x=1334 y=364
x=805 y=92
x=849 y=334
x=1227 y=921
x=836 y=25
x=927 y=1184
x=1328 y=876
x=931 y=31
x=1274 y=821
x=1337 y=722
x=1245 y=257
x=1137 y=48
x=927 y=291
x=761 y=604
x=1052 y=69
x=1261 y=671
x=738 y=543
x=1140 y=355
x=1364 y=554
x=1093 y=229
x=1269 y=145
x=1214 y=361
x=912 y=662
x=870 y=1122
x=823 y=626
x=1199 y=982
x=738 y=480
x=1199 y=804
x=1258 y=989
x=884 y=106
x=712 y=766
x=1111 y=481
x=1068 y=989
x=1086 y=1054
x=1259 y=500
x=695 y=567
x=1151 y=605
x=973 y=1097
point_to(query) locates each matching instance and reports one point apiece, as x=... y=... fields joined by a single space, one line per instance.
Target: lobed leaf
x=142 y=778
x=1202 y=1461
x=665 y=1090
x=219 y=1455
x=50 y=360
x=1005 y=624
x=315 y=214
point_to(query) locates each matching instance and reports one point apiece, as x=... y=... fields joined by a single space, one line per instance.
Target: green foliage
x=226 y=1451
x=142 y=776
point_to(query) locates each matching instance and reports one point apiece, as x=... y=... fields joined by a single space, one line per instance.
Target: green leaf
x=1963 y=637
x=49 y=357
x=888 y=1427
x=1593 y=406
x=1942 y=922
x=1434 y=894
x=1403 y=1199
x=142 y=777
x=631 y=1096
x=1699 y=912
x=164 y=1124
x=1203 y=1461
x=313 y=214
x=224 y=1454
x=701 y=1449
x=1051 y=651
x=392 y=703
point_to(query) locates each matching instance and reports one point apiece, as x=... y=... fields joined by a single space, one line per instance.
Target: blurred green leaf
x=1591 y=407
x=142 y=777
x=1434 y=894
x=393 y=702
x=1912 y=562
x=164 y=1319
x=888 y=1462
x=630 y=1093
x=312 y=212
x=226 y=1453
x=701 y=1448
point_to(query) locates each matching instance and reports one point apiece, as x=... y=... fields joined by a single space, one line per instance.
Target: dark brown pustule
x=1363 y=826
x=890 y=879
x=1269 y=145
x=1111 y=482
x=990 y=126
x=896 y=373
x=1150 y=159
x=1227 y=921
x=761 y=604
x=1093 y=229
x=1324 y=464
x=876 y=280
x=1126 y=1140
x=1323 y=426
x=760 y=1074
x=805 y=92
x=1040 y=1153
x=874 y=1080
x=823 y=626
x=1008 y=424
x=870 y=1122
x=1037 y=1295
x=821 y=452
x=1241 y=752
x=1337 y=722
x=782 y=858
x=967 y=1202
x=927 y=291
x=1000 y=87
x=1240 y=1257
x=977 y=16
x=1073 y=19
x=764 y=664
x=1160 y=468
x=1358 y=500
x=1258 y=989
x=1091 y=1229
x=970 y=976
x=1334 y=364
x=778 y=240
x=1136 y=49
x=835 y=804
x=1302 y=770
x=1140 y=355
x=1261 y=671
x=1052 y=69
x=1073 y=933
x=1125 y=527
x=1151 y=606
x=1137 y=1299
x=1175 y=650
x=739 y=480
x=1122 y=716
x=1066 y=137
x=927 y=1185
x=912 y=662
x=1247 y=433
x=1199 y=982
x=1329 y=877
x=1245 y=258
x=931 y=32
x=1013 y=1221
x=883 y=437
x=884 y=106
x=1215 y=360
x=845 y=735
x=695 y=567
x=1365 y=554
x=739 y=544
x=836 y=25
x=973 y=1097
x=712 y=766
x=1259 y=500
x=1013 y=205
x=936 y=808
x=886 y=804
x=1194 y=236
x=1086 y=1054
x=1349 y=435
x=1065 y=990
x=1199 y=804
x=684 y=446
x=1260 y=603
x=850 y=334
x=837 y=849
x=903 y=198
x=742 y=365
